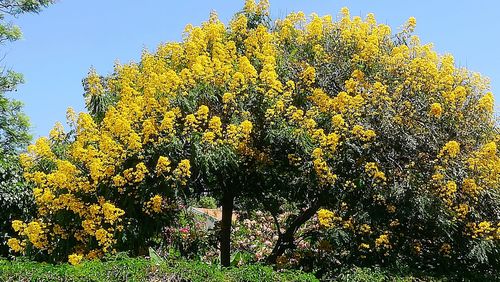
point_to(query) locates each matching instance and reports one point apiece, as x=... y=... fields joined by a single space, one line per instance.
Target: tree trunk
x=225 y=234
x=285 y=240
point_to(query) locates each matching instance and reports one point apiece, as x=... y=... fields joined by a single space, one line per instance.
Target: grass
x=142 y=269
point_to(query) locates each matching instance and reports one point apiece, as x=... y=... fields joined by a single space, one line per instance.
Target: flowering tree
x=311 y=113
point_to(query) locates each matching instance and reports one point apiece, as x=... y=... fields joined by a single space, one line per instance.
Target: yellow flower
x=365 y=135
x=57 y=133
x=330 y=142
x=163 y=165
x=325 y=218
x=323 y=172
x=391 y=208
x=338 y=121
x=309 y=76
x=75 y=259
x=215 y=124
x=208 y=137
x=202 y=113
x=436 y=110
x=111 y=213
x=317 y=153
x=119 y=181
x=183 y=171
x=227 y=98
x=15 y=245
x=411 y=24
x=140 y=172
x=190 y=123
x=149 y=130
x=103 y=237
x=18 y=225
x=154 y=204
x=246 y=127
x=36 y=234
x=365 y=228
x=451 y=149
x=383 y=241
x=462 y=210
x=364 y=246
x=445 y=249
x=417 y=247
x=372 y=170
x=487 y=102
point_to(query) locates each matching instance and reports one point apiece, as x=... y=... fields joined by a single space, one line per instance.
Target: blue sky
x=66 y=39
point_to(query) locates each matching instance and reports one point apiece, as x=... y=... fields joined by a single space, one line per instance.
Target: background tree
x=14 y=124
x=15 y=198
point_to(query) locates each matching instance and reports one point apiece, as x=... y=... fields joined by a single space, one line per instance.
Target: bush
x=138 y=269
x=16 y=199
x=369 y=274
x=207 y=202
x=189 y=238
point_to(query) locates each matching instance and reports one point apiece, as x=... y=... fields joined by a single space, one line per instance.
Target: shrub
x=207 y=202
x=189 y=238
x=127 y=269
x=16 y=198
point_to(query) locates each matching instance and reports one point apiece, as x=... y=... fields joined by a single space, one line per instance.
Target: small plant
x=207 y=202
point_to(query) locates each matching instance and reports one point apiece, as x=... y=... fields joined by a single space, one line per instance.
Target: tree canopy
x=373 y=132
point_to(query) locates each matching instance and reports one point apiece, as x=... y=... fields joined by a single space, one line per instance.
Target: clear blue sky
x=62 y=42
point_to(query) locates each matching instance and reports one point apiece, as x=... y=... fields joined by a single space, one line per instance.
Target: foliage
x=385 y=145
x=358 y=274
x=255 y=233
x=138 y=269
x=14 y=127
x=16 y=201
x=14 y=124
x=13 y=8
x=120 y=268
x=189 y=238
x=206 y=202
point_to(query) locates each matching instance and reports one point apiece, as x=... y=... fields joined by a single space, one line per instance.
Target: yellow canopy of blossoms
x=202 y=90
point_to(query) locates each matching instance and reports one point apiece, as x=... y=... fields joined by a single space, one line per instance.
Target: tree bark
x=225 y=235
x=285 y=239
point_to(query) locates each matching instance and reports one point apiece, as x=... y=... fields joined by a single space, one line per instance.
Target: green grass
x=139 y=269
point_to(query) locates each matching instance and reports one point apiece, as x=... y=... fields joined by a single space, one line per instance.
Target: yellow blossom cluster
x=450 y=149
x=482 y=176
x=32 y=232
x=436 y=110
x=327 y=218
x=182 y=172
x=373 y=171
x=485 y=229
x=383 y=242
x=154 y=205
x=323 y=171
x=75 y=259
